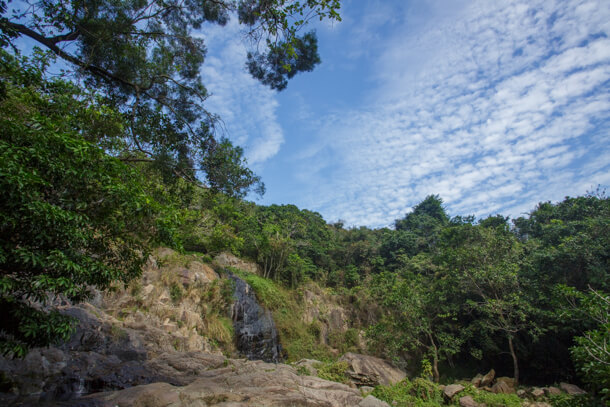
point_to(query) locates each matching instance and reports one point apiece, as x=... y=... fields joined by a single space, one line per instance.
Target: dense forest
x=94 y=177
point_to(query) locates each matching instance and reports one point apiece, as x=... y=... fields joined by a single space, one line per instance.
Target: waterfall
x=255 y=332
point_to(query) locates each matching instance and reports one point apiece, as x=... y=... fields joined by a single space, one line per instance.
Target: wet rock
x=255 y=333
x=571 y=389
x=367 y=370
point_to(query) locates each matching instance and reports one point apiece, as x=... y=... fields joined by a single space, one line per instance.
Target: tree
x=484 y=264
x=591 y=352
x=419 y=316
x=71 y=216
x=145 y=59
x=425 y=221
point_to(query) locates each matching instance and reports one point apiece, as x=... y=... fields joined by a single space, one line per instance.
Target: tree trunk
x=515 y=361
x=437 y=376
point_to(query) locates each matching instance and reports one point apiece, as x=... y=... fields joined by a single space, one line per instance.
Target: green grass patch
x=492 y=399
x=333 y=371
x=406 y=393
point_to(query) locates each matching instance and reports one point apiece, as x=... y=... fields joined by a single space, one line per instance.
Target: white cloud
x=496 y=108
x=246 y=107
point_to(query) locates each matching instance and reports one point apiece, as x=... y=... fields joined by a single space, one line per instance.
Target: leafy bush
x=419 y=392
x=333 y=371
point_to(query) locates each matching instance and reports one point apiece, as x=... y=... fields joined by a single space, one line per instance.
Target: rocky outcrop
x=226 y=260
x=251 y=383
x=367 y=370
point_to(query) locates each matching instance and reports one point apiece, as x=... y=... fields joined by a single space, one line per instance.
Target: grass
x=406 y=393
x=333 y=371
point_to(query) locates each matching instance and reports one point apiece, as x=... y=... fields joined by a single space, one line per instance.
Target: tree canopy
x=145 y=58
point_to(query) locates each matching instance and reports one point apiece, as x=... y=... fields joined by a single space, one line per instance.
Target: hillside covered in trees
x=95 y=177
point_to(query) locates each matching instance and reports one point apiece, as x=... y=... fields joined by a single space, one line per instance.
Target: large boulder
x=251 y=383
x=452 y=390
x=372 y=401
x=571 y=389
x=468 y=401
x=367 y=370
x=505 y=385
x=488 y=379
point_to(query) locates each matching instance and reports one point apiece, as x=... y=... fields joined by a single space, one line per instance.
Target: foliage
x=71 y=216
x=492 y=399
x=333 y=371
x=419 y=392
x=591 y=352
x=145 y=58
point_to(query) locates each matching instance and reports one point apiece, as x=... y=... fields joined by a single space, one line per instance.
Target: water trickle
x=255 y=331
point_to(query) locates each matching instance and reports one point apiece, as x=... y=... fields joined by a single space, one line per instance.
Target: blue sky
x=493 y=105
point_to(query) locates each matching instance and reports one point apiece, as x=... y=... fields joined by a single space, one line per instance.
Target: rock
x=243 y=383
x=537 y=392
x=366 y=389
x=228 y=260
x=255 y=334
x=452 y=390
x=309 y=364
x=552 y=391
x=476 y=381
x=367 y=370
x=488 y=379
x=571 y=389
x=337 y=319
x=371 y=401
x=504 y=385
x=468 y=401
x=521 y=393
x=535 y=404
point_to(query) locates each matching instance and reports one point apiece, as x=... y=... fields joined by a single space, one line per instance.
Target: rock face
x=225 y=260
x=98 y=357
x=367 y=370
x=255 y=332
x=252 y=383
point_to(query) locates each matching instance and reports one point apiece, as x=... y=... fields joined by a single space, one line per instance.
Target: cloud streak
x=246 y=107
x=513 y=109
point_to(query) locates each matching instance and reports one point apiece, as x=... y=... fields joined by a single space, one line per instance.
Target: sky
x=492 y=105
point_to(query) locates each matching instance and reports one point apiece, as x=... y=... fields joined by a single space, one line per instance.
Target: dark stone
x=255 y=333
